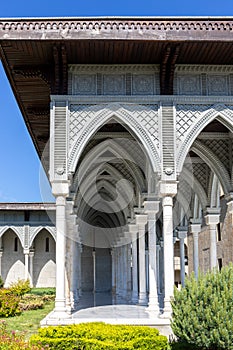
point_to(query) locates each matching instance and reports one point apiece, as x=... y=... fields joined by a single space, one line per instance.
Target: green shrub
x=20 y=287
x=87 y=336
x=203 y=310
x=9 y=303
x=43 y=291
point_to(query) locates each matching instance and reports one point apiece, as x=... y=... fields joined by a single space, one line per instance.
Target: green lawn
x=29 y=321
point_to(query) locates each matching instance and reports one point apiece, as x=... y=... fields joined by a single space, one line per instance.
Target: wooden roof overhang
x=35 y=53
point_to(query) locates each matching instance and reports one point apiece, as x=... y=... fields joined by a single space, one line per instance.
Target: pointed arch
x=14 y=230
x=118 y=151
x=121 y=115
x=219 y=112
x=214 y=164
x=49 y=229
x=197 y=187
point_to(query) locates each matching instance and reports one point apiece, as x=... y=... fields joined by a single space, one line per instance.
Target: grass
x=29 y=321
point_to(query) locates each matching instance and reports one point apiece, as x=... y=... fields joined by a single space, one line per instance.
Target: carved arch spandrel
x=15 y=230
x=117 y=112
x=221 y=112
x=214 y=164
x=50 y=230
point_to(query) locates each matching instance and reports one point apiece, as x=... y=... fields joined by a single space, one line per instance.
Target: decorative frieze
x=113 y=80
x=211 y=80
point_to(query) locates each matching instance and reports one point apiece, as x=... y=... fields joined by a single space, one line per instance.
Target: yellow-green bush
x=9 y=303
x=20 y=287
x=88 y=336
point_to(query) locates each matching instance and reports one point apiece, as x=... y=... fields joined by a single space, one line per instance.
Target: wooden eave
x=35 y=53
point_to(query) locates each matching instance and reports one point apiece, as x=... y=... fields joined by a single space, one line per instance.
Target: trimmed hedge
x=100 y=336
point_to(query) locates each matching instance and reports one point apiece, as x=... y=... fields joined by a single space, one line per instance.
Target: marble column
x=60 y=190
x=212 y=219
x=1 y=252
x=182 y=234
x=133 y=229
x=31 y=256
x=26 y=264
x=152 y=208
x=195 y=229
x=167 y=191
x=141 y=221
x=113 y=271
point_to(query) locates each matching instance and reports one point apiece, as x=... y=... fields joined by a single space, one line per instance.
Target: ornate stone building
x=133 y=121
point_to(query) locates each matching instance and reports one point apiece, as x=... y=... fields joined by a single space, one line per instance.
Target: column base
x=134 y=297
x=167 y=310
x=60 y=306
x=153 y=304
x=142 y=299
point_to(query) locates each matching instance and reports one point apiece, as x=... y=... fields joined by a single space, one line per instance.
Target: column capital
x=213 y=216
x=168 y=188
x=151 y=207
x=141 y=220
x=26 y=251
x=195 y=226
x=60 y=188
x=182 y=232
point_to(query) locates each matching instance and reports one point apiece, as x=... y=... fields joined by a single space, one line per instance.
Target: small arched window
x=47 y=244
x=16 y=244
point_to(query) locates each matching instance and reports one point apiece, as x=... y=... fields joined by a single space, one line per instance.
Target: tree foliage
x=203 y=310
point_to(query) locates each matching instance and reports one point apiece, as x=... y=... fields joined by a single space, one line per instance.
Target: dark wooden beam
x=167 y=69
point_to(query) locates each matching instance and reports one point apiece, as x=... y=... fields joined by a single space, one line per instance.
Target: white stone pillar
x=167 y=191
x=133 y=229
x=113 y=272
x=60 y=191
x=31 y=256
x=158 y=268
x=141 y=221
x=212 y=219
x=151 y=208
x=129 y=272
x=182 y=234
x=195 y=229
x=1 y=252
x=26 y=264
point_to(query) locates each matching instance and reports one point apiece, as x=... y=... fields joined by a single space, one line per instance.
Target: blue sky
x=20 y=179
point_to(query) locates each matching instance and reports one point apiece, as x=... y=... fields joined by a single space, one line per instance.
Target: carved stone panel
x=114 y=84
x=189 y=85
x=84 y=84
x=113 y=80
x=142 y=84
x=217 y=85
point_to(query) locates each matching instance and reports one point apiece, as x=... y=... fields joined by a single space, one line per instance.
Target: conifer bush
x=203 y=310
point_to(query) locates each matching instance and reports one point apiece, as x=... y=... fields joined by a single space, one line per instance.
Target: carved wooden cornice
x=151 y=28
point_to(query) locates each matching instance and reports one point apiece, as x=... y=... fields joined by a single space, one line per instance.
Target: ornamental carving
x=186 y=115
x=114 y=84
x=113 y=80
x=143 y=84
x=84 y=84
x=217 y=85
x=189 y=85
x=142 y=119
